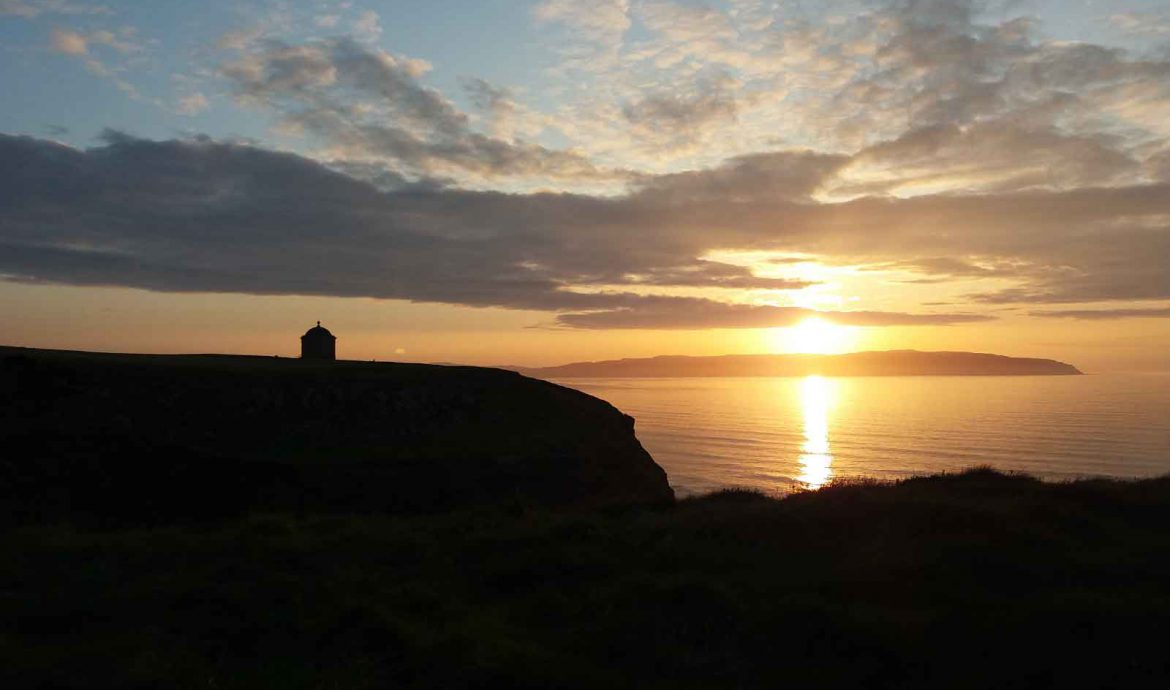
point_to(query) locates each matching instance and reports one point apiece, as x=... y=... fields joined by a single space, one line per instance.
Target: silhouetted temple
x=318 y=343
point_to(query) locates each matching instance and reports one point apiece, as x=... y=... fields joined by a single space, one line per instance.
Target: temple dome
x=318 y=343
x=318 y=331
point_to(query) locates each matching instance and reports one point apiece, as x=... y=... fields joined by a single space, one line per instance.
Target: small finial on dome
x=318 y=324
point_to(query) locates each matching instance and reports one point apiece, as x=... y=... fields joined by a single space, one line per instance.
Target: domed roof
x=318 y=331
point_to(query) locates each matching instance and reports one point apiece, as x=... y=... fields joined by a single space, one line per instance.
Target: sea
x=782 y=434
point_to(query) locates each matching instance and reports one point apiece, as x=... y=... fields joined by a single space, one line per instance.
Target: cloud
x=1142 y=23
x=69 y=42
x=604 y=20
x=934 y=139
x=327 y=21
x=368 y=105
x=762 y=177
x=81 y=46
x=199 y=215
x=678 y=120
x=75 y=43
x=192 y=104
x=940 y=95
x=592 y=34
x=993 y=156
x=239 y=39
x=209 y=214
x=1009 y=108
x=705 y=273
x=1106 y=314
x=499 y=104
x=684 y=31
x=667 y=313
x=940 y=65
x=368 y=27
x=31 y=9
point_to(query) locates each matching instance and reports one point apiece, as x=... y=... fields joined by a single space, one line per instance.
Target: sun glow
x=816 y=459
x=813 y=335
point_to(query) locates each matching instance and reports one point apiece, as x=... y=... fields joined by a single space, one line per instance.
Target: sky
x=534 y=183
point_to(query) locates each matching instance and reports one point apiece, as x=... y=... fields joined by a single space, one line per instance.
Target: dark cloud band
x=217 y=217
x=1106 y=314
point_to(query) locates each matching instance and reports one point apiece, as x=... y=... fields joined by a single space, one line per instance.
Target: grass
x=967 y=581
x=90 y=437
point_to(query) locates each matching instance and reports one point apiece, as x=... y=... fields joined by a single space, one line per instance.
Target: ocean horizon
x=778 y=435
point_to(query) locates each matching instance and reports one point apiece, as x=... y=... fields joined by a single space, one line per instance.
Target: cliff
x=892 y=363
x=145 y=437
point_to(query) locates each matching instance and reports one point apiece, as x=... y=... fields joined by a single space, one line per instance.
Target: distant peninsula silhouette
x=888 y=363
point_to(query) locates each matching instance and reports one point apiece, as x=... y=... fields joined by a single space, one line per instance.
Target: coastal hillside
x=891 y=363
x=151 y=438
x=969 y=582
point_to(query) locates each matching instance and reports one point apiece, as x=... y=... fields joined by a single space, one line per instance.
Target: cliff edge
x=177 y=436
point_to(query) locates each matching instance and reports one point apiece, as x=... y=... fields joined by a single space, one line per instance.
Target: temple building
x=318 y=343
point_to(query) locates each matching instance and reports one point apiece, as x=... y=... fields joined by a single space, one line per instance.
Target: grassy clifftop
x=972 y=581
x=142 y=437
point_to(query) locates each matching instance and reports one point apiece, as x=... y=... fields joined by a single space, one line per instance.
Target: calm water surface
x=781 y=433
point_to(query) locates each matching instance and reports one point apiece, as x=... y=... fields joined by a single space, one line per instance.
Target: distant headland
x=889 y=363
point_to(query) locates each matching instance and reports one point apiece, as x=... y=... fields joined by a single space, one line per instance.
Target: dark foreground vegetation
x=978 y=580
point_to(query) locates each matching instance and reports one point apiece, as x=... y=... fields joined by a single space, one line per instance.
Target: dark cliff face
x=187 y=436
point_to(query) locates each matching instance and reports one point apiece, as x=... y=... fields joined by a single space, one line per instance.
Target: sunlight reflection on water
x=780 y=434
x=816 y=459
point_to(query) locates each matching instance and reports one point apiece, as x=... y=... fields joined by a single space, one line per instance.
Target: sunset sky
x=543 y=182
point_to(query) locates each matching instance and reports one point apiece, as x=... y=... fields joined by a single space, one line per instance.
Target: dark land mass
x=235 y=522
x=977 y=580
x=892 y=363
x=131 y=437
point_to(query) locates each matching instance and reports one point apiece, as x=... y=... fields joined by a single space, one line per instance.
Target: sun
x=813 y=335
